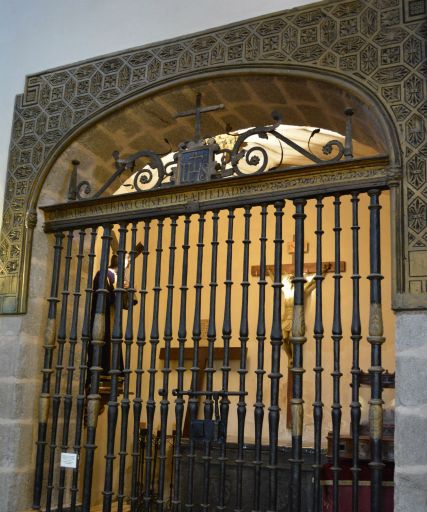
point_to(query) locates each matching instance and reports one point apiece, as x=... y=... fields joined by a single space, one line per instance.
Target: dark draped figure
x=109 y=318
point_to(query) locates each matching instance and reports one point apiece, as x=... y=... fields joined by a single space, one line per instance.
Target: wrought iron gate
x=187 y=362
x=180 y=273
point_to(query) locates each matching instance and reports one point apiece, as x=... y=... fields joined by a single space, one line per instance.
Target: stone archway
x=374 y=46
x=350 y=40
x=95 y=156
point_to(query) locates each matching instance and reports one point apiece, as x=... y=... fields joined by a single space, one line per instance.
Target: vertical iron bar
x=276 y=340
x=196 y=335
x=260 y=371
x=94 y=399
x=56 y=398
x=49 y=346
x=172 y=472
x=336 y=374
x=298 y=339
x=182 y=338
x=376 y=339
x=125 y=402
x=140 y=479
x=68 y=400
x=164 y=392
x=318 y=336
x=154 y=466
x=114 y=372
x=83 y=367
x=242 y=371
x=137 y=455
x=209 y=370
x=154 y=340
x=355 y=371
x=225 y=369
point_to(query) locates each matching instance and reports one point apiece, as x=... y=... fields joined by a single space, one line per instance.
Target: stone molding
x=378 y=44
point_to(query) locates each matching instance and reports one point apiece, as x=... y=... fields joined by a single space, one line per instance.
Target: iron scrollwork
x=232 y=158
x=203 y=160
x=153 y=173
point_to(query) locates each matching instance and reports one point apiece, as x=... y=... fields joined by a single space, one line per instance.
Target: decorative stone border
x=378 y=44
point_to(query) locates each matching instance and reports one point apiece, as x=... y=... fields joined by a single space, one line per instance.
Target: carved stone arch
x=338 y=80
x=374 y=47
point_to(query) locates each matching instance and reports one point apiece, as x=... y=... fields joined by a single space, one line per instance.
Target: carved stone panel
x=379 y=44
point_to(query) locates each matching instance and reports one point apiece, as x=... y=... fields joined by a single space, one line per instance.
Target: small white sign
x=68 y=460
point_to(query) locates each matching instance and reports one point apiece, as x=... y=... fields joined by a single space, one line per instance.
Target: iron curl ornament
x=204 y=160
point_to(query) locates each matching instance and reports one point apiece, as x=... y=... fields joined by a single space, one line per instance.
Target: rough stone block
x=411 y=368
x=18 y=398
x=30 y=357
x=10 y=325
x=34 y=321
x=9 y=356
x=16 y=490
x=16 y=443
x=411 y=436
x=410 y=489
x=39 y=278
x=410 y=330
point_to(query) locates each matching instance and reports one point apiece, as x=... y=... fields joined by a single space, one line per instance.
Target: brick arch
x=374 y=47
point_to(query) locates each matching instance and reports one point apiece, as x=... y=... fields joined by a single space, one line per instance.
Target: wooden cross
x=202 y=363
x=197 y=112
x=289 y=268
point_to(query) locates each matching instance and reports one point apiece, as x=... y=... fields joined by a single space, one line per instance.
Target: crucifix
x=197 y=112
x=196 y=158
x=202 y=363
x=288 y=270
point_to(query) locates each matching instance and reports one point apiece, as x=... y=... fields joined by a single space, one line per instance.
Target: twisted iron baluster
x=276 y=340
x=355 y=370
x=196 y=335
x=125 y=402
x=49 y=346
x=298 y=339
x=80 y=401
x=137 y=462
x=164 y=392
x=260 y=371
x=225 y=369
x=318 y=336
x=182 y=338
x=94 y=398
x=56 y=399
x=336 y=374
x=376 y=339
x=209 y=370
x=154 y=340
x=242 y=371
x=114 y=372
x=68 y=400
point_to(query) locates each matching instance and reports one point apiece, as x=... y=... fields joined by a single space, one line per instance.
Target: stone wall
x=411 y=413
x=20 y=365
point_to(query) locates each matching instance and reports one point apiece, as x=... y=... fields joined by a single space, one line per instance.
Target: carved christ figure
x=288 y=306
